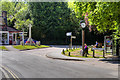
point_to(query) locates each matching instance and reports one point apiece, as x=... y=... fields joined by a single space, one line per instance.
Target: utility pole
x=83 y=25
x=83 y=40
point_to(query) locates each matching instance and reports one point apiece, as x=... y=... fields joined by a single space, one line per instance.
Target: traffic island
x=78 y=53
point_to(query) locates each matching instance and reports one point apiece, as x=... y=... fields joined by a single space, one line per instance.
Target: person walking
x=96 y=45
x=86 y=50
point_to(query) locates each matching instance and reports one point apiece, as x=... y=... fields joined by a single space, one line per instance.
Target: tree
x=51 y=20
x=17 y=13
x=104 y=16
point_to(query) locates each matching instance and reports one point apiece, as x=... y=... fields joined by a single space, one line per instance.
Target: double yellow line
x=10 y=72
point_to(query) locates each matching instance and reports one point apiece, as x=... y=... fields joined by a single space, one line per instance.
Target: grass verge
x=76 y=53
x=3 y=48
x=26 y=47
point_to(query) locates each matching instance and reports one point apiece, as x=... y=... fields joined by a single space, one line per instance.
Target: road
x=34 y=64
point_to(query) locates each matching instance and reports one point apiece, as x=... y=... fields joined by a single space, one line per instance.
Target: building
x=8 y=35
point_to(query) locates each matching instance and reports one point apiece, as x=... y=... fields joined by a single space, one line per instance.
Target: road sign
x=108 y=43
x=69 y=34
x=73 y=37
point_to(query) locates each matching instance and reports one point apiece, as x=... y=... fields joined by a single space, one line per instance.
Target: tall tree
x=104 y=16
x=51 y=20
x=17 y=13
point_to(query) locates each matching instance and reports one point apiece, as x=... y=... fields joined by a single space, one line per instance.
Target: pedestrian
x=86 y=49
x=96 y=45
x=86 y=46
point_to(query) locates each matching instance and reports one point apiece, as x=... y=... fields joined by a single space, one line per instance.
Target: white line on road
x=10 y=72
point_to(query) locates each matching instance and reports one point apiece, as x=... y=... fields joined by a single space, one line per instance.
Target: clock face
x=83 y=25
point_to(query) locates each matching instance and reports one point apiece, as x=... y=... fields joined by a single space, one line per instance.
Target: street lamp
x=23 y=35
x=83 y=25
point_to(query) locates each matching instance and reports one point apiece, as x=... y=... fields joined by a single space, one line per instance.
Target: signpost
x=73 y=37
x=108 y=44
x=112 y=46
x=70 y=34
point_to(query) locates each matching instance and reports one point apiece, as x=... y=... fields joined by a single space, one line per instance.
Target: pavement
x=11 y=48
x=63 y=57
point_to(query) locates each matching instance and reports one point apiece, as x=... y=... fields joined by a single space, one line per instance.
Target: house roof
x=9 y=29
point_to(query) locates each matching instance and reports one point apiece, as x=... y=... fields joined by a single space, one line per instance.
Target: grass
x=76 y=53
x=3 y=48
x=72 y=50
x=26 y=47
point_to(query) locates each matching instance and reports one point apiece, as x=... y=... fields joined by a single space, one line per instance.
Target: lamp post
x=71 y=41
x=23 y=35
x=82 y=24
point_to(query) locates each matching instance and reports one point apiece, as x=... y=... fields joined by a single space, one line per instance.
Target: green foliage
x=76 y=53
x=3 y=48
x=51 y=20
x=104 y=15
x=17 y=14
x=25 y=47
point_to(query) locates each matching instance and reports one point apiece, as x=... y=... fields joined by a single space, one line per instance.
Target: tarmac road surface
x=34 y=64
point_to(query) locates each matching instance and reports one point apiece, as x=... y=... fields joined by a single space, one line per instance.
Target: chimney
x=4 y=20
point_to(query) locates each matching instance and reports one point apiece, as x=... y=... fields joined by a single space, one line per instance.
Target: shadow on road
x=110 y=61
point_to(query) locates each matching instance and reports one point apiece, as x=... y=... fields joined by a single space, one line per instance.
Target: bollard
x=103 y=54
x=63 y=51
x=83 y=53
x=94 y=53
x=69 y=54
x=74 y=47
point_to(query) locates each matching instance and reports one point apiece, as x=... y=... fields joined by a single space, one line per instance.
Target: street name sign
x=69 y=34
x=73 y=37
